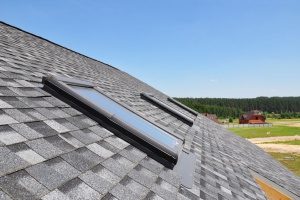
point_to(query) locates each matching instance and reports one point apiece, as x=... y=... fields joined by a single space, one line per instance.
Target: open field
x=290 y=142
x=274 y=140
x=281 y=148
x=276 y=130
x=285 y=122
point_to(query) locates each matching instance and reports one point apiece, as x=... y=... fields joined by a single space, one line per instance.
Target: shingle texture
x=49 y=150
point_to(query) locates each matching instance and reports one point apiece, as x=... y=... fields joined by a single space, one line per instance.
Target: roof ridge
x=42 y=38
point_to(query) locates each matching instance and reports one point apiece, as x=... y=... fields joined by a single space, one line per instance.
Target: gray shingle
x=6 y=119
x=59 y=143
x=21 y=185
x=133 y=154
x=123 y=193
x=140 y=190
x=118 y=165
x=164 y=189
x=104 y=173
x=4 y=104
x=9 y=162
x=26 y=131
x=55 y=195
x=78 y=190
x=53 y=173
x=102 y=132
x=143 y=176
x=46 y=113
x=71 y=111
x=25 y=83
x=109 y=196
x=98 y=183
x=71 y=140
x=55 y=102
x=56 y=126
x=152 y=165
x=14 y=102
x=108 y=146
x=186 y=194
x=18 y=115
x=152 y=196
x=66 y=124
x=44 y=148
x=38 y=102
x=85 y=136
x=33 y=114
x=100 y=151
x=23 y=151
x=82 y=159
x=6 y=91
x=9 y=136
x=4 y=196
x=170 y=176
x=43 y=128
x=79 y=121
x=117 y=142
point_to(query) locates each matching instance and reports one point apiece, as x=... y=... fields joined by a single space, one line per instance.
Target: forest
x=275 y=107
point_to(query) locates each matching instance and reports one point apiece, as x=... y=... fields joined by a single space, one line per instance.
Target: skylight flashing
x=85 y=97
x=168 y=108
x=183 y=106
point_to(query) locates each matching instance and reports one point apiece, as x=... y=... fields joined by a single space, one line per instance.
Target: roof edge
x=40 y=37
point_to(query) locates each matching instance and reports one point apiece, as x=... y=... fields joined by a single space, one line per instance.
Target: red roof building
x=253 y=117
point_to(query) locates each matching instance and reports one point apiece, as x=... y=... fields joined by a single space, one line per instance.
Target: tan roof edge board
x=272 y=190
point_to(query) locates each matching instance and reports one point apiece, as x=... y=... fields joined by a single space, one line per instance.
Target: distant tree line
x=277 y=107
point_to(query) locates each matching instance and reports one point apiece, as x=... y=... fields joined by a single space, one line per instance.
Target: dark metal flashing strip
x=183 y=106
x=60 y=90
x=185 y=168
x=168 y=108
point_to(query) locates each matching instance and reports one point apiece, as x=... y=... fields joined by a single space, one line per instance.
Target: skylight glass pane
x=147 y=129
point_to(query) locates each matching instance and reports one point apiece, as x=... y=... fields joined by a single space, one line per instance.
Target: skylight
x=183 y=106
x=127 y=125
x=168 y=108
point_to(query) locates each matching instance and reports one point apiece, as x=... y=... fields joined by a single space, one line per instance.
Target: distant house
x=253 y=117
x=212 y=117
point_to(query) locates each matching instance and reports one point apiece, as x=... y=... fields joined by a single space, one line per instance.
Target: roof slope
x=49 y=150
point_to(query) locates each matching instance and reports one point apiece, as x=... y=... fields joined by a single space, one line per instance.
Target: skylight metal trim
x=186 y=168
x=183 y=106
x=168 y=108
x=60 y=88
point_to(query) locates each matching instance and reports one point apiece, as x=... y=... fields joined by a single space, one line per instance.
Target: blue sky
x=185 y=48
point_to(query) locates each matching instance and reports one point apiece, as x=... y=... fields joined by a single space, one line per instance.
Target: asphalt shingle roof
x=49 y=150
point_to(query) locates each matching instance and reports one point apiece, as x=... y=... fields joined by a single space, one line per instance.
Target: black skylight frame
x=179 y=115
x=183 y=106
x=61 y=88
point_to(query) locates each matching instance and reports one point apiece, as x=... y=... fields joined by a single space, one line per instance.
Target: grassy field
x=292 y=142
x=291 y=161
x=274 y=131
